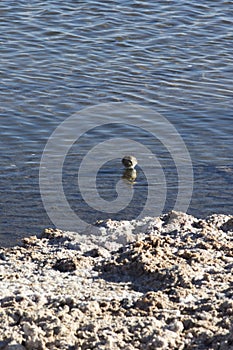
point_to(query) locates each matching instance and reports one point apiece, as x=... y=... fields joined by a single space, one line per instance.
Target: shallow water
x=56 y=59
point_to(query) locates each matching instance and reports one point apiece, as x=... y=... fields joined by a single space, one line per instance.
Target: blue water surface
x=60 y=57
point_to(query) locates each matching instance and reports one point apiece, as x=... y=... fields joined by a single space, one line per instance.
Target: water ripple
x=57 y=58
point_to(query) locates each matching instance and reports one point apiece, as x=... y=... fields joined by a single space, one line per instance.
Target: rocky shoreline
x=156 y=283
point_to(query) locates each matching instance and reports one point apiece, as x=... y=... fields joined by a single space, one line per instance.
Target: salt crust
x=156 y=283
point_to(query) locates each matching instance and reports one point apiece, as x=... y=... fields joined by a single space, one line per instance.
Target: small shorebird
x=129 y=162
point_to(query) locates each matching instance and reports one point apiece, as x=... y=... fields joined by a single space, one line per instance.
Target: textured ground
x=158 y=283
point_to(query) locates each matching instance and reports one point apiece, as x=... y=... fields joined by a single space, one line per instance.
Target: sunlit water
x=56 y=59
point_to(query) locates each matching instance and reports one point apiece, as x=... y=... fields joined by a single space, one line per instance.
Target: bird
x=129 y=162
